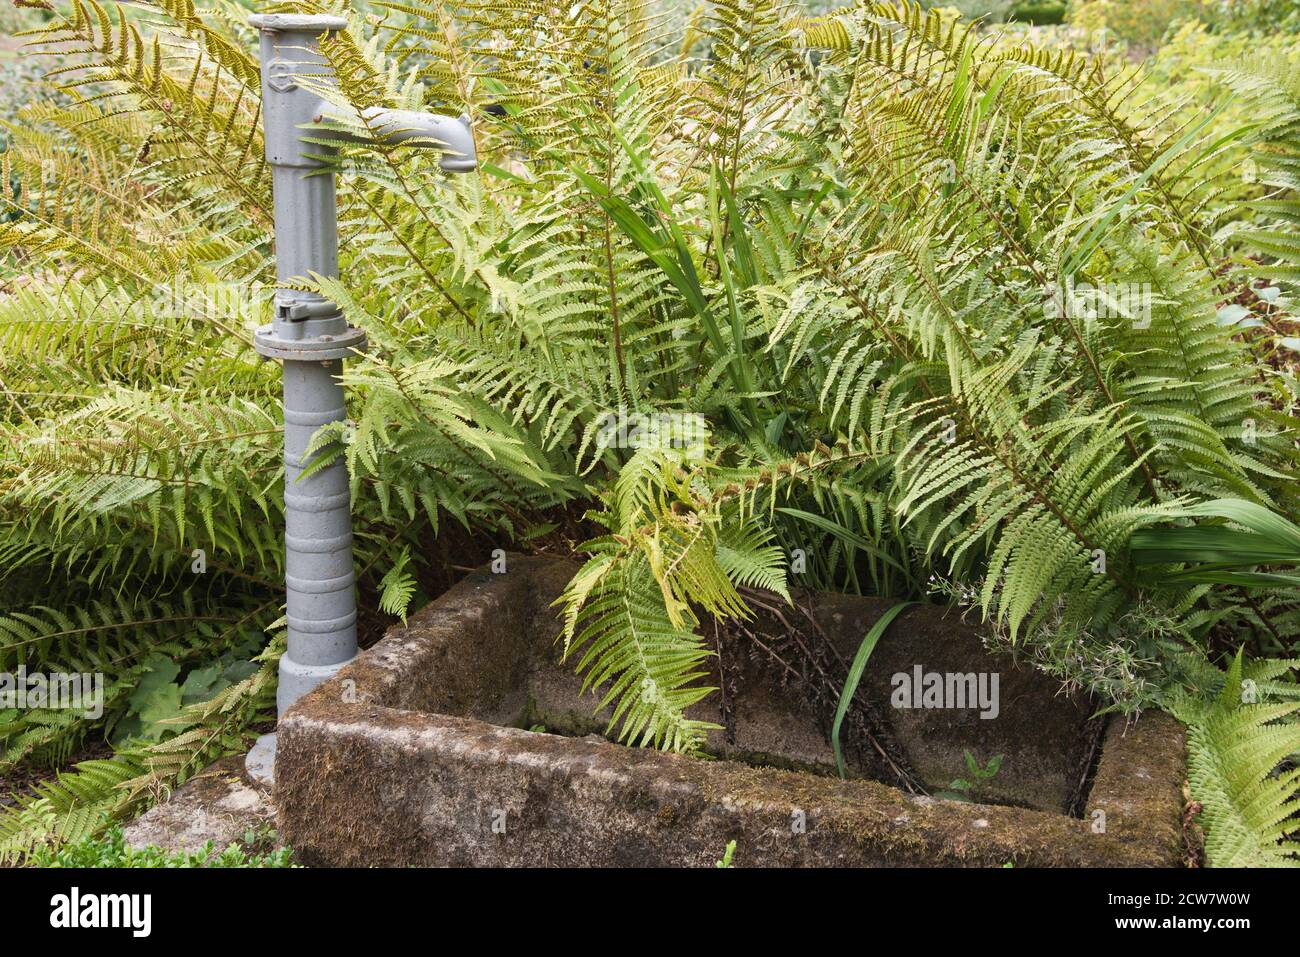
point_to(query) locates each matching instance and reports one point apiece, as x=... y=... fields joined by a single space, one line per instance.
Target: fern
x=84 y=801
x=398 y=587
x=1249 y=805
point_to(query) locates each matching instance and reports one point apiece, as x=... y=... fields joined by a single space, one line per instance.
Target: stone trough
x=420 y=753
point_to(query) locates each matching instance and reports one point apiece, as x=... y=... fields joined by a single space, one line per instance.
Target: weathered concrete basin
x=417 y=754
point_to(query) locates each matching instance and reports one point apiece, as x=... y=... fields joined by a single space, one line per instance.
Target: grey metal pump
x=311 y=337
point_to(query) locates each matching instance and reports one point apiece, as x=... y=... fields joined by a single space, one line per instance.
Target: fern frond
x=1240 y=767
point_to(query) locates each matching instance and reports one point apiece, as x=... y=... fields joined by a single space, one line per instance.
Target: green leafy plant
x=1139 y=23
x=111 y=850
x=727 y=854
x=961 y=788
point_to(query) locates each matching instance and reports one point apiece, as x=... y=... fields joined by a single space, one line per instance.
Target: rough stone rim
x=1133 y=780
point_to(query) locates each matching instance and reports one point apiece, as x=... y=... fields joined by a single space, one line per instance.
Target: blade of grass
x=1255 y=517
x=739 y=358
x=847 y=537
x=855 y=675
x=816 y=203
x=1208 y=543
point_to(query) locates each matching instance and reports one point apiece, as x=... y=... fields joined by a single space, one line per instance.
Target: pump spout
x=451 y=135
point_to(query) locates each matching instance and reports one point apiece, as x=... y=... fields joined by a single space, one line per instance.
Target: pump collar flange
x=313 y=349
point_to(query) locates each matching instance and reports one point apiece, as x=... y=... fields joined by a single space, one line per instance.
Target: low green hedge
x=111 y=850
x=1042 y=14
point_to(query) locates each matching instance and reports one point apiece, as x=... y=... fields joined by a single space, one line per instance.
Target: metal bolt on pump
x=311 y=337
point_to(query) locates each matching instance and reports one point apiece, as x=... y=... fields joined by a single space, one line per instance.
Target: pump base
x=259 y=763
x=296 y=680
